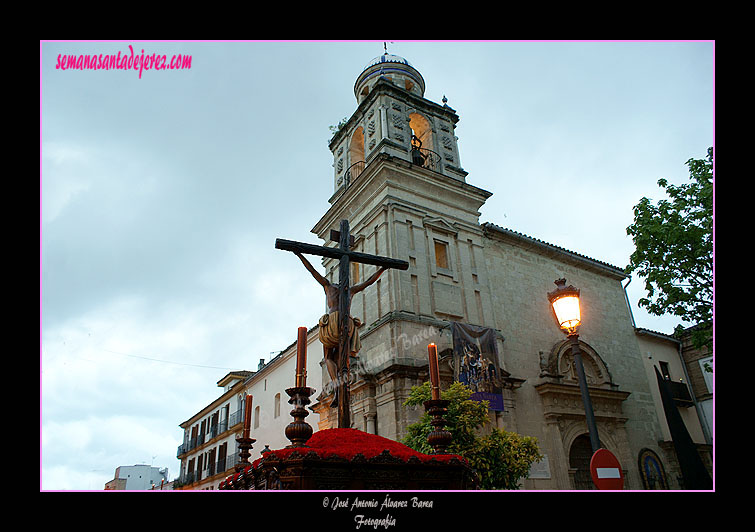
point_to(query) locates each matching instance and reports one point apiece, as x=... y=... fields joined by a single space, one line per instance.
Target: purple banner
x=476 y=362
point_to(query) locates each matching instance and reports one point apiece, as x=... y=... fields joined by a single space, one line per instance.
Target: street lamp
x=564 y=301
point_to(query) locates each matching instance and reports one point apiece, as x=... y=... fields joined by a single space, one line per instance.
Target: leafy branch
x=674 y=250
x=500 y=458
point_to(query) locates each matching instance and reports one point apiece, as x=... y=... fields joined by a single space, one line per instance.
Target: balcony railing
x=218 y=428
x=680 y=393
x=187 y=478
x=419 y=156
x=220 y=466
x=215 y=431
x=235 y=418
x=426 y=158
x=352 y=172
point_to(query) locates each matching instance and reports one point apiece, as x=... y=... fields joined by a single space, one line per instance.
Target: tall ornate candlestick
x=439 y=439
x=247 y=415
x=245 y=442
x=301 y=357
x=432 y=354
x=299 y=431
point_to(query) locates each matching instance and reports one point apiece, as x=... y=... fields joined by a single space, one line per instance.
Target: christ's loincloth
x=329 y=332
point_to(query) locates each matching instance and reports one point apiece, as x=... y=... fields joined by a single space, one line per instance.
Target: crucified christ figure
x=329 y=323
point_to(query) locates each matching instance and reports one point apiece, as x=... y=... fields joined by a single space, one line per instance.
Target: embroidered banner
x=476 y=362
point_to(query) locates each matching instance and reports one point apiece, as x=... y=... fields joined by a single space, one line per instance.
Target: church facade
x=399 y=182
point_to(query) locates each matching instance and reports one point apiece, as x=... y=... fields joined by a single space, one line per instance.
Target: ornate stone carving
x=543 y=362
x=562 y=401
x=567 y=368
x=560 y=364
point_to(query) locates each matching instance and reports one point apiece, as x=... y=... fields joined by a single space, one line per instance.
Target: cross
x=345 y=256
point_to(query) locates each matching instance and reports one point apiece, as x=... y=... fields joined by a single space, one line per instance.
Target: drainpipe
x=629 y=306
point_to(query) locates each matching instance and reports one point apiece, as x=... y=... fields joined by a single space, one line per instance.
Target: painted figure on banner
x=475 y=362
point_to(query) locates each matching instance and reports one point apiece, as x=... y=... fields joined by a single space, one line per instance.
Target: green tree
x=335 y=129
x=674 y=250
x=500 y=458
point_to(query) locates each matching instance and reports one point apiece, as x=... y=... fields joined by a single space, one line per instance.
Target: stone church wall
x=520 y=279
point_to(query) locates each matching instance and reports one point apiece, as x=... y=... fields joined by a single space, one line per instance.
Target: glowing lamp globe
x=565 y=303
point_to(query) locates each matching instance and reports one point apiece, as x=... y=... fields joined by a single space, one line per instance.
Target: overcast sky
x=161 y=198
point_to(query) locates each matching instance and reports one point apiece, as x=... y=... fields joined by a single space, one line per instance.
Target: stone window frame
x=439 y=230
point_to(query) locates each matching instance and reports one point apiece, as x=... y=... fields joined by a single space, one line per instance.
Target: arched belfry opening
x=356 y=155
x=356 y=146
x=421 y=130
x=422 y=142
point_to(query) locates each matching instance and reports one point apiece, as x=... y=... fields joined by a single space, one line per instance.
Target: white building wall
x=141 y=477
x=268 y=421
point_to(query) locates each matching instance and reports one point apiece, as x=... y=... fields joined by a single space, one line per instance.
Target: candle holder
x=299 y=431
x=301 y=357
x=245 y=445
x=439 y=439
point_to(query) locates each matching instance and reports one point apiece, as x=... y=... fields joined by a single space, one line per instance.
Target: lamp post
x=564 y=301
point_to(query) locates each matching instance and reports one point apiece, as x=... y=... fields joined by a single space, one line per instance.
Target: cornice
x=343 y=198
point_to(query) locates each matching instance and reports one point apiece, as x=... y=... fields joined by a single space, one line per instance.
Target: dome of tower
x=393 y=68
x=387 y=58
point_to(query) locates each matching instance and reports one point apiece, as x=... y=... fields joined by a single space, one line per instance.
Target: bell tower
x=398 y=180
x=394 y=118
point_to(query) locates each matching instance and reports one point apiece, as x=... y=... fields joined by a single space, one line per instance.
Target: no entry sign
x=606 y=470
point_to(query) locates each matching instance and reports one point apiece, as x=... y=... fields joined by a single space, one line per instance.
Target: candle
x=432 y=352
x=301 y=357
x=248 y=416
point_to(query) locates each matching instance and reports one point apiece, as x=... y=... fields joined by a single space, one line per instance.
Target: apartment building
x=209 y=451
x=209 y=447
